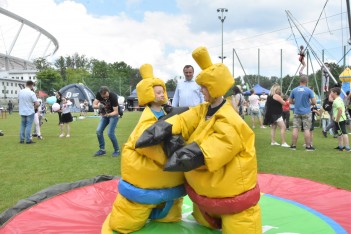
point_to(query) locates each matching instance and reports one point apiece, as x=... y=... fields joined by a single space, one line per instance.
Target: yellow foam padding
x=106 y=227
x=215 y=77
x=145 y=88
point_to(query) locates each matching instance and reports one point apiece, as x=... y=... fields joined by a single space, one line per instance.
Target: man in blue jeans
x=107 y=104
x=27 y=100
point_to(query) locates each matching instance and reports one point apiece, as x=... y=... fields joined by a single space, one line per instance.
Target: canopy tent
x=42 y=94
x=258 y=90
x=77 y=93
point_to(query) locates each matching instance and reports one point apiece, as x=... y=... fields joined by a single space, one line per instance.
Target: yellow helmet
x=145 y=88
x=215 y=77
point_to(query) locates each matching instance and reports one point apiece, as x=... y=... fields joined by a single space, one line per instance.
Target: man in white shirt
x=263 y=100
x=187 y=92
x=27 y=101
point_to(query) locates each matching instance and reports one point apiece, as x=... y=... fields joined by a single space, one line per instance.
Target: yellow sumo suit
x=223 y=186
x=146 y=191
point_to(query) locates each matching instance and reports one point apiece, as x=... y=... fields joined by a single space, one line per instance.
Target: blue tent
x=258 y=90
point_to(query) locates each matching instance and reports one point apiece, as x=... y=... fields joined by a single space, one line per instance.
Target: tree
x=49 y=80
x=171 y=84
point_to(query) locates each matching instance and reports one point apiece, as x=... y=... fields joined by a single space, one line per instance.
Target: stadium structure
x=21 y=42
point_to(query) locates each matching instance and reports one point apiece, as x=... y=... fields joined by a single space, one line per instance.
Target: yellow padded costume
x=228 y=146
x=143 y=169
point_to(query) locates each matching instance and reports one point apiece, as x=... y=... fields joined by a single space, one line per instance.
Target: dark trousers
x=286 y=118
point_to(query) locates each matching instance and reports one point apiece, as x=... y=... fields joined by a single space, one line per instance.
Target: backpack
x=327 y=105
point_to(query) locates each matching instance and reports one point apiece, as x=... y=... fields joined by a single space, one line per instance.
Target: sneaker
x=40 y=138
x=68 y=135
x=116 y=154
x=338 y=148
x=285 y=145
x=324 y=134
x=341 y=149
x=62 y=135
x=263 y=126
x=21 y=142
x=310 y=148
x=275 y=143
x=347 y=149
x=293 y=147
x=100 y=152
x=34 y=135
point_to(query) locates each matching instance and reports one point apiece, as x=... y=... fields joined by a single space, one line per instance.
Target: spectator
x=325 y=119
x=328 y=106
x=187 y=92
x=107 y=104
x=237 y=100
x=263 y=100
x=274 y=114
x=302 y=97
x=27 y=102
x=340 y=120
x=86 y=107
x=255 y=109
x=59 y=101
x=37 y=118
x=315 y=112
x=286 y=112
x=10 y=107
x=66 y=117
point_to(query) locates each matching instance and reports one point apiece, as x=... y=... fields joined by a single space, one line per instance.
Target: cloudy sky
x=165 y=32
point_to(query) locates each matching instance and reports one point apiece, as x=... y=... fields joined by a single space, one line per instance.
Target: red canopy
x=42 y=94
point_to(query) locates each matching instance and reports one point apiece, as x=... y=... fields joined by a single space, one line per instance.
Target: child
x=66 y=117
x=219 y=158
x=340 y=119
x=145 y=190
x=302 y=59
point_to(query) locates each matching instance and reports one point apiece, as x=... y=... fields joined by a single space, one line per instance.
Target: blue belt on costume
x=152 y=196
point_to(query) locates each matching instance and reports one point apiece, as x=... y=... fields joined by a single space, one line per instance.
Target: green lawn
x=27 y=169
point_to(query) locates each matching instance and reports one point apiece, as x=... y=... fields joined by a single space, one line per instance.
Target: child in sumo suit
x=146 y=191
x=219 y=159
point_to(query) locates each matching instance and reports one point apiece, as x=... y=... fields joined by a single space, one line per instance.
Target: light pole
x=222 y=18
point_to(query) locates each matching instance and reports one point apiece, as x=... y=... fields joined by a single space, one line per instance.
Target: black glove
x=170 y=110
x=155 y=134
x=186 y=159
x=172 y=144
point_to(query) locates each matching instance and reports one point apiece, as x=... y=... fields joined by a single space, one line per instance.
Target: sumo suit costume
x=219 y=159
x=146 y=191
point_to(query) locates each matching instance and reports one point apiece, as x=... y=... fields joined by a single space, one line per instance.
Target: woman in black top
x=274 y=113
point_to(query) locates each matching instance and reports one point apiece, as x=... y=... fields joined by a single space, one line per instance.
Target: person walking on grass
x=302 y=97
x=339 y=116
x=274 y=114
x=27 y=101
x=66 y=117
x=255 y=109
x=107 y=104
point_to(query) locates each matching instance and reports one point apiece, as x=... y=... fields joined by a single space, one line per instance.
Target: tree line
x=122 y=79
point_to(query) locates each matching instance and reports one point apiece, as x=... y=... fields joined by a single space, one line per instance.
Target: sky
x=165 y=32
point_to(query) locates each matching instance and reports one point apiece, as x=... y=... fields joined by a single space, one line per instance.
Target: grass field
x=27 y=169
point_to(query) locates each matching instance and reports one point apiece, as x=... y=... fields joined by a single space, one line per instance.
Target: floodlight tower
x=222 y=18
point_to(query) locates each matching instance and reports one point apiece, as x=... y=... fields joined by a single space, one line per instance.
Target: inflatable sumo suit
x=219 y=159
x=146 y=191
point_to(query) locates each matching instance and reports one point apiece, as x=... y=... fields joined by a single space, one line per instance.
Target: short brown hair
x=188 y=66
x=336 y=90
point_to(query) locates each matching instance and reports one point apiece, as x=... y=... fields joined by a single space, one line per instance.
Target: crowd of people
x=173 y=150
